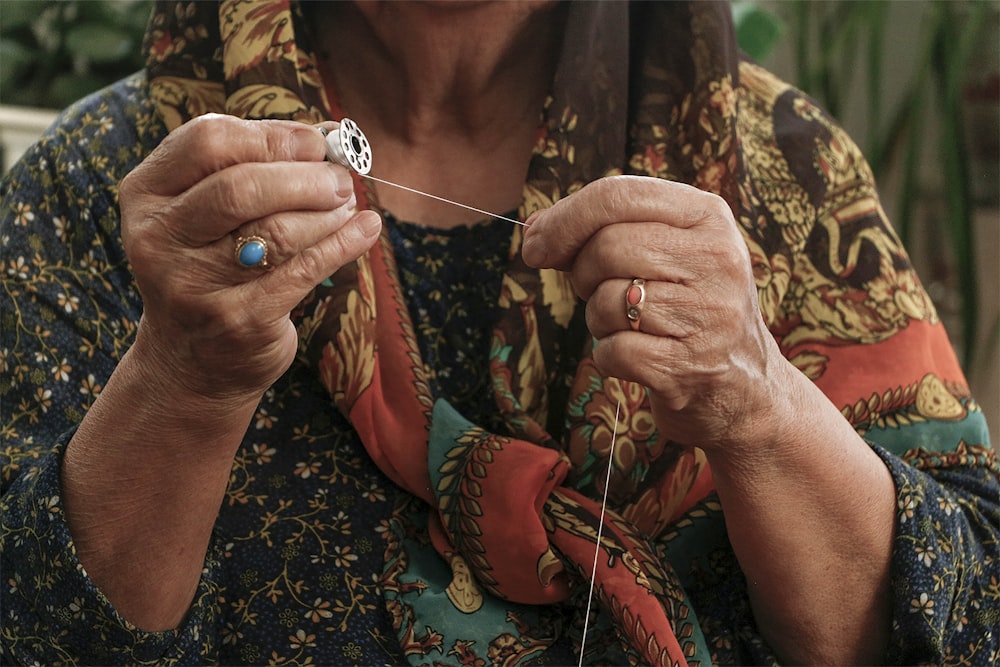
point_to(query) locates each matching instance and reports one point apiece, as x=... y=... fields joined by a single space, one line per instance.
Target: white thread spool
x=348 y=146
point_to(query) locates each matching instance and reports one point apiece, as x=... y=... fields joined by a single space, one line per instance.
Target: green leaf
x=99 y=43
x=17 y=86
x=17 y=14
x=68 y=88
x=758 y=31
x=14 y=59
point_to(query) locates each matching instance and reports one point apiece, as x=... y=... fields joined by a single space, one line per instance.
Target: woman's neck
x=420 y=69
x=448 y=94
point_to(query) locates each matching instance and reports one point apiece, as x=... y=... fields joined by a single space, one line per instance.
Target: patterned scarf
x=515 y=517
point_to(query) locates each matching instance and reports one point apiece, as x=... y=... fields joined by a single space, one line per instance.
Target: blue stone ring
x=251 y=252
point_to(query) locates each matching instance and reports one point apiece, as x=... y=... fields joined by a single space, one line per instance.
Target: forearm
x=810 y=514
x=143 y=479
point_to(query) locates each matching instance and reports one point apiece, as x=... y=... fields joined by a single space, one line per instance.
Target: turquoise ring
x=251 y=252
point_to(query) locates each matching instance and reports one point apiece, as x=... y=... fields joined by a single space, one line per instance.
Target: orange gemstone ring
x=635 y=297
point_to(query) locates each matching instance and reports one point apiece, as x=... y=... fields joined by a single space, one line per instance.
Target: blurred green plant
x=758 y=30
x=833 y=41
x=53 y=52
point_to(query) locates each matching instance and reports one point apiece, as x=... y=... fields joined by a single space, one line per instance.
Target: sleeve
x=70 y=311
x=945 y=583
x=847 y=308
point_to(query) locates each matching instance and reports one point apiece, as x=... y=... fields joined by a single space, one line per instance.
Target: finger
x=638 y=357
x=281 y=236
x=224 y=201
x=555 y=235
x=650 y=250
x=289 y=282
x=213 y=142
x=669 y=310
x=660 y=364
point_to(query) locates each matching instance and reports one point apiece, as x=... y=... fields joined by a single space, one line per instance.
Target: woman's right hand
x=211 y=328
x=145 y=473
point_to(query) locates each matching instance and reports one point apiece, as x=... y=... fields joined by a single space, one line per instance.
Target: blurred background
x=915 y=82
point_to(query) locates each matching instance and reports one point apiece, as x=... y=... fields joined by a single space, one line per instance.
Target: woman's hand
x=212 y=328
x=718 y=380
x=145 y=472
x=701 y=345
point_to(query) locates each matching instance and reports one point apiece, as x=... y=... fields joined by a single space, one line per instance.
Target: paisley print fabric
x=402 y=498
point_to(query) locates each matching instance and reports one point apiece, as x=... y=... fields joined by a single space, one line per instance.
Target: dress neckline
x=409 y=228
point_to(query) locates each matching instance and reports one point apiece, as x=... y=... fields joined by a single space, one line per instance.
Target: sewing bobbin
x=348 y=146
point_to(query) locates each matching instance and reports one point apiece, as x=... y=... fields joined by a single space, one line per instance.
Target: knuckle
x=717 y=207
x=610 y=192
x=279 y=139
x=349 y=243
x=708 y=209
x=230 y=324
x=733 y=255
x=580 y=285
x=236 y=193
x=139 y=249
x=275 y=142
x=595 y=322
x=346 y=245
x=278 y=232
x=210 y=133
x=127 y=187
x=315 y=186
x=202 y=132
x=144 y=234
x=603 y=187
x=309 y=267
x=141 y=181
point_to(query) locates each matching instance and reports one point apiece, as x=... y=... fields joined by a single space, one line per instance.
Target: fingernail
x=532 y=218
x=345 y=182
x=532 y=251
x=305 y=142
x=370 y=223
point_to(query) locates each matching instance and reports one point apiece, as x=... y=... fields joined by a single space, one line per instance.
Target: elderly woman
x=262 y=408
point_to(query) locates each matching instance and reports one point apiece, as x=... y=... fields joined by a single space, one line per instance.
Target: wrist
x=150 y=368
x=770 y=422
x=148 y=425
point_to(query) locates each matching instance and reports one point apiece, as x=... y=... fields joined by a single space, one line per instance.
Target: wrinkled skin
x=215 y=327
x=702 y=347
x=717 y=380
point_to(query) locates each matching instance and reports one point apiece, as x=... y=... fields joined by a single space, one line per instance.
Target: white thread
x=349 y=147
x=447 y=201
x=600 y=532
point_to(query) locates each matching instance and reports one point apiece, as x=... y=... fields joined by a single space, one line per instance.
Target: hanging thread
x=600 y=532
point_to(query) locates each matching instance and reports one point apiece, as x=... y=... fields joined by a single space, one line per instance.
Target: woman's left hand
x=717 y=380
x=701 y=346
